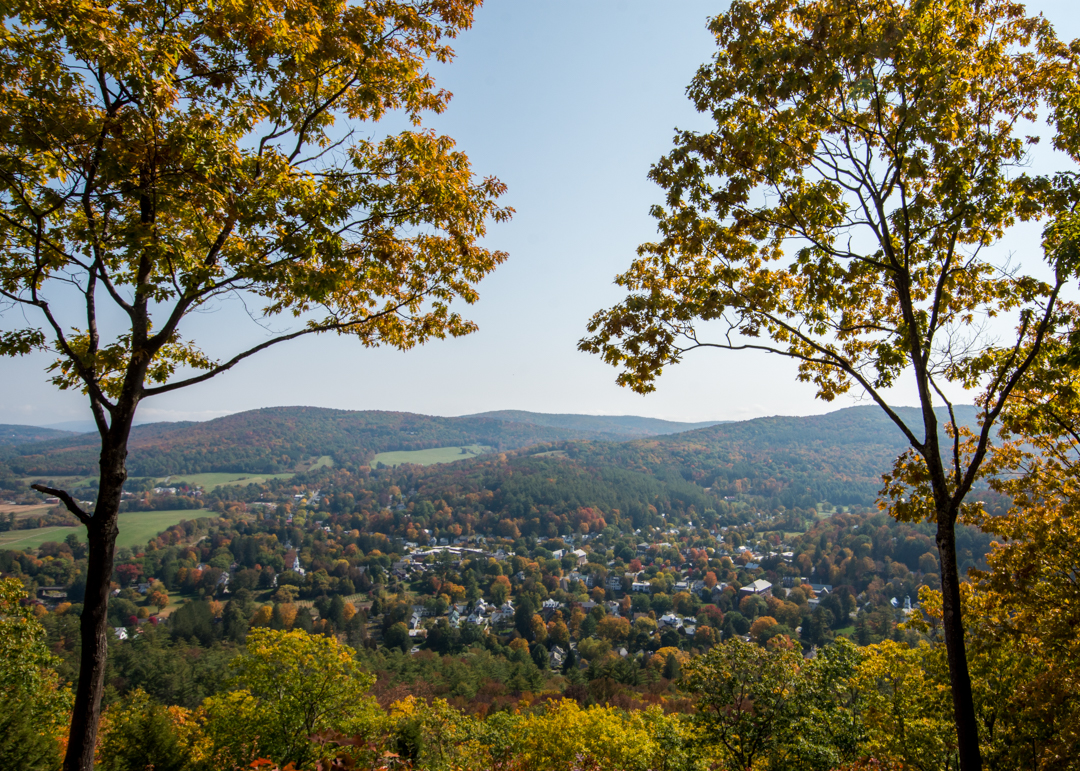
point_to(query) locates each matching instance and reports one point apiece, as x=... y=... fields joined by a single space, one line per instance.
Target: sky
x=568 y=103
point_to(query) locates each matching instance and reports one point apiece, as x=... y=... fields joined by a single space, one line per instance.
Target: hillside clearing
x=213 y=479
x=136 y=528
x=430 y=457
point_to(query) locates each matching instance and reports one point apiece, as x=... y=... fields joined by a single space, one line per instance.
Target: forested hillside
x=791 y=461
x=274 y=440
x=625 y=426
x=784 y=461
x=13 y=435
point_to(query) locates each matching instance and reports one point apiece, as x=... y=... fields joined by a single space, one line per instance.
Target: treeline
x=275 y=440
x=505 y=494
x=789 y=462
x=784 y=461
x=308 y=701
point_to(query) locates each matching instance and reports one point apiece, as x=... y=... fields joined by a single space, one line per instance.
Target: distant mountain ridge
x=837 y=457
x=275 y=439
x=630 y=426
x=11 y=435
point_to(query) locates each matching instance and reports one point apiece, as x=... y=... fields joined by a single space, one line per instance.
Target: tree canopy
x=156 y=157
x=159 y=159
x=865 y=160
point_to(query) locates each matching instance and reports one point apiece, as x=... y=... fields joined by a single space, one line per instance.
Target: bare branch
x=68 y=501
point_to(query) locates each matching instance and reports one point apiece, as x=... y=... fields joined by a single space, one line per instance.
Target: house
x=641 y=586
x=669 y=620
x=585 y=578
x=476 y=619
x=504 y=614
x=556 y=656
x=759 y=587
x=548 y=605
x=580 y=555
x=52 y=593
x=614 y=583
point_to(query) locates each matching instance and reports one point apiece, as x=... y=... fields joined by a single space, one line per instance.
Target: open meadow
x=136 y=528
x=214 y=479
x=430 y=457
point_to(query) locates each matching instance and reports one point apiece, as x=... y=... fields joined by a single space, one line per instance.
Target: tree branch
x=73 y=507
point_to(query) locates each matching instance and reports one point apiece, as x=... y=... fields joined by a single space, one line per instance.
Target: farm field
x=213 y=479
x=62 y=481
x=430 y=457
x=136 y=528
x=322 y=461
x=22 y=512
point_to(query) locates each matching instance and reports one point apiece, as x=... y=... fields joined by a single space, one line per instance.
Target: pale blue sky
x=568 y=103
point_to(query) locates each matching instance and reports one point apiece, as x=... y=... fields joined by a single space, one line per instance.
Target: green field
x=430 y=457
x=61 y=480
x=136 y=528
x=212 y=479
x=323 y=461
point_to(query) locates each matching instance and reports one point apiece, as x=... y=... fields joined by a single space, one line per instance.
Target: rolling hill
x=624 y=426
x=16 y=435
x=837 y=457
x=792 y=461
x=273 y=440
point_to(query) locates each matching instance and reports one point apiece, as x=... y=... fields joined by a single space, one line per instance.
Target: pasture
x=430 y=457
x=212 y=479
x=136 y=528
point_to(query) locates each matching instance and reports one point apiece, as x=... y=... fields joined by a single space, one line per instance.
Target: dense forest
x=783 y=461
x=275 y=440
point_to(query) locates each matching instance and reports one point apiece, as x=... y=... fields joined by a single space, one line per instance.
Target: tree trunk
x=967 y=729
x=93 y=624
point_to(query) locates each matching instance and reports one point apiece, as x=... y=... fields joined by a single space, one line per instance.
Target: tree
x=35 y=704
x=138 y=734
x=906 y=715
x=523 y=616
x=287 y=687
x=745 y=697
x=613 y=628
x=672 y=667
x=842 y=214
x=157 y=159
x=397 y=636
x=1026 y=606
